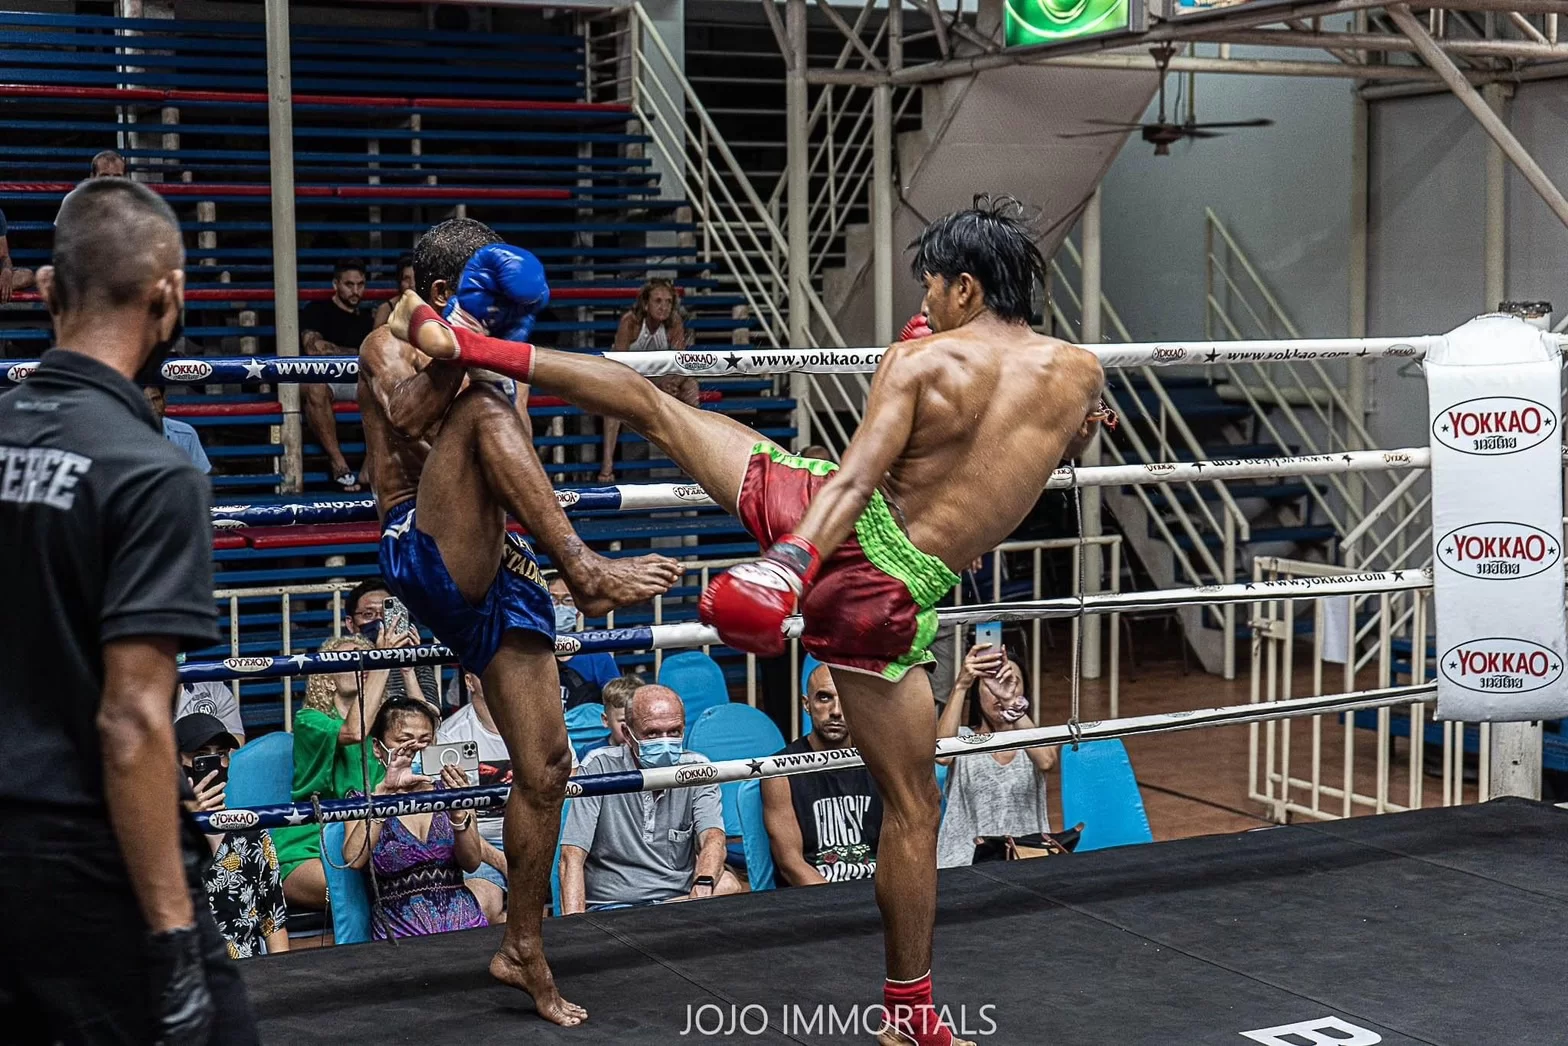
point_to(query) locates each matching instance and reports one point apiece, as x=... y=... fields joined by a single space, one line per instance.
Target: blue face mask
x=659 y=751
x=565 y=618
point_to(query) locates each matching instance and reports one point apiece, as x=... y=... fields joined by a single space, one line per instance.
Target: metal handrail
x=648 y=32
x=1158 y=386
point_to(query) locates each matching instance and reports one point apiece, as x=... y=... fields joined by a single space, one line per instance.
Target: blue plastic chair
x=585 y=728
x=733 y=731
x=698 y=679
x=754 y=836
x=346 y=888
x=1100 y=790
x=808 y=665
x=261 y=772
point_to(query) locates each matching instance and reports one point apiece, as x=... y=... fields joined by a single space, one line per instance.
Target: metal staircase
x=1206 y=533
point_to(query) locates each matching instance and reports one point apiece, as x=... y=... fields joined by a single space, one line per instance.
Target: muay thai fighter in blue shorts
x=450 y=458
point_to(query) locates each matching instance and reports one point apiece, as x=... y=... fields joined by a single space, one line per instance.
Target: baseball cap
x=199 y=729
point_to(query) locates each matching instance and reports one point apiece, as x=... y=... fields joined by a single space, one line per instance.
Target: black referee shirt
x=107 y=533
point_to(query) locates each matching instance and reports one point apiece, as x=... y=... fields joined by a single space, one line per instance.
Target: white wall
x=1282 y=190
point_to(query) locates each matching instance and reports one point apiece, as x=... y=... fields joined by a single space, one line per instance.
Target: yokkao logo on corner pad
x=1501 y=664
x=1495 y=425
x=1498 y=550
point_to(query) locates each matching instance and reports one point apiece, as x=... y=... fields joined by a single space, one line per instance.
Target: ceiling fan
x=1162 y=134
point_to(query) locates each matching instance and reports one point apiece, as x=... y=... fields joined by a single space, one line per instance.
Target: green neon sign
x=1049 y=21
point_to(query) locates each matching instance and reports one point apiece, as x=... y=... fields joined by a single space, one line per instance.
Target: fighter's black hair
x=112 y=240
x=442 y=252
x=992 y=242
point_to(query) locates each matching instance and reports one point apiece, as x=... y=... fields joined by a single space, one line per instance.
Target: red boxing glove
x=748 y=604
x=917 y=327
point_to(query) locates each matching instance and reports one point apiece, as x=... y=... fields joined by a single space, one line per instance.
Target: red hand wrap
x=515 y=359
x=911 y=1011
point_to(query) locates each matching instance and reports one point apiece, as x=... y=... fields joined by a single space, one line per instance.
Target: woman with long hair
x=330 y=759
x=652 y=324
x=992 y=795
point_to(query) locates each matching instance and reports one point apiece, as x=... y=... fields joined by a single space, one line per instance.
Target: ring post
x=280 y=134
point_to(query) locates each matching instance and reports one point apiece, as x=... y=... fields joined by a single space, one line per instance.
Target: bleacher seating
x=495 y=123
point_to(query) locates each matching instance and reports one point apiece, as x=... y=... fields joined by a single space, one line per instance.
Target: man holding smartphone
x=105 y=934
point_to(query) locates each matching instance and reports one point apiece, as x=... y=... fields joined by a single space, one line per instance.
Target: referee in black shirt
x=105 y=933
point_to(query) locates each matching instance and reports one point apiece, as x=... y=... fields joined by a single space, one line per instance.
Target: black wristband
x=703 y=880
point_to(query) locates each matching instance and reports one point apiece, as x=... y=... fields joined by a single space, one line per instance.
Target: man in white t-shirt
x=473 y=722
x=216 y=700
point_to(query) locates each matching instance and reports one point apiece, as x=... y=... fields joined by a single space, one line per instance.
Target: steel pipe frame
x=280 y=127
x=1471 y=99
x=1520 y=49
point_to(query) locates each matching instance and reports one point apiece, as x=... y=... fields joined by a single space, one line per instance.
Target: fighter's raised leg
x=709 y=447
x=482 y=465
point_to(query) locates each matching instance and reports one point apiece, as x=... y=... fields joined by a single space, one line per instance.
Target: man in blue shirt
x=177 y=432
x=582 y=675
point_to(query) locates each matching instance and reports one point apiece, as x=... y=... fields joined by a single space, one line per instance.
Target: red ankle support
x=911 y=1011
x=515 y=359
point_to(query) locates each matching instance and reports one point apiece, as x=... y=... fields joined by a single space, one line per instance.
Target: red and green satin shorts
x=870 y=609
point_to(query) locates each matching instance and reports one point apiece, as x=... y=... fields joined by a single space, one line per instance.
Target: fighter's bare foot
x=600 y=585
x=530 y=973
x=433 y=339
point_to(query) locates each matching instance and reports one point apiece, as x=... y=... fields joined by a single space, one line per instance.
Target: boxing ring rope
x=643 y=497
x=734 y=361
x=688 y=634
x=687 y=775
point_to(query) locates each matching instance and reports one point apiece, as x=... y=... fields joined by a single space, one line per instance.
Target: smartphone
x=204 y=765
x=990 y=632
x=462 y=754
x=395 y=616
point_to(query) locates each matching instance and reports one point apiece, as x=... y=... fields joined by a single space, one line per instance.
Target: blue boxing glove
x=502 y=287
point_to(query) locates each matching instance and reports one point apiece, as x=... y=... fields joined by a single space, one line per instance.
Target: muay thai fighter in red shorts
x=962 y=429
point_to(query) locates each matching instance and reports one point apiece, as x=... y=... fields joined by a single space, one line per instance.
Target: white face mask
x=565 y=617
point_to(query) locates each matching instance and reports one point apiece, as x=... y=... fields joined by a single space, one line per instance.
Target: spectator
x=645 y=847
x=244 y=883
x=330 y=760
x=405 y=282
x=823 y=827
x=418 y=859
x=583 y=676
x=177 y=432
x=991 y=795
x=473 y=722
x=106 y=163
x=334 y=327
x=652 y=324
x=364 y=607
x=216 y=700
x=617 y=693
x=818 y=451
x=11 y=279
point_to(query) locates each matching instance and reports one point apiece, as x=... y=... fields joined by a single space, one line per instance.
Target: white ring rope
x=704 y=362
x=727 y=770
